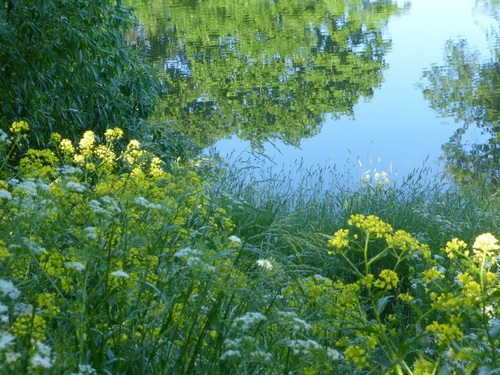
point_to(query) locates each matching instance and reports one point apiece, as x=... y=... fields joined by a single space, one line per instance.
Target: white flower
x=29 y=186
x=234 y=239
x=68 y=170
x=4 y=138
x=42 y=357
x=300 y=324
x=96 y=207
x=75 y=265
x=84 y=370
x=6 y=287
x=90 y=232
x=186 y=252
x=120 y=273
x=6 y=340
x=265 y=264
x=303 y=346
x=3 y=309
x=381 y=178
x=21 y=309
x=248 y=320
x=141 y=201
x=33 y=246
x=43 y=349
x=11 y=357
x=333 y=354
x=5 y=194
x=75 y=186
x=39 y=361
x=230 y=353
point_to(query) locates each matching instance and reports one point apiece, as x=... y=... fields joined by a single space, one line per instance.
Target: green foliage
x=66 y=68
x=264 y=69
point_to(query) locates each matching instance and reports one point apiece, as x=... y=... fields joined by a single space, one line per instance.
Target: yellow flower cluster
x=388 y=279
x=112 y=135
x=370 y=224
x=357 y=355
x=431 y=274
x=471 y=289
x=445 y=333
x=34 y=326
x=19 y=127
x=87 y=143
x=485 y=248
x=66 y=147
x=339 y=240
x=4 y=253
x=402 y=240
x=456 y=247
x=423 y=367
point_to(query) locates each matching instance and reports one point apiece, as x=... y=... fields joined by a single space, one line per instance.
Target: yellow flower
x=405 y=297
x=133 y=145
x=30 y=325
x=454 y=247
x=357 y=355
x=339 y=240
x=19 y=127
x=445 y=333
x=113 y=134
x=402 y=240
x=485 y=247
x=388 y=279
x=155 y=168
x=67 y=147
x=4 y=253
x=79 y=159
x=87 y=142
x=370 y=224
x=423 y=367
x=431 y=274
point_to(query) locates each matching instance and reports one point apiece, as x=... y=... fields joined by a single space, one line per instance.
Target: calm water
x=231 y=91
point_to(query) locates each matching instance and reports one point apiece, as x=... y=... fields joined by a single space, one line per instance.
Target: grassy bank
x=110 y=264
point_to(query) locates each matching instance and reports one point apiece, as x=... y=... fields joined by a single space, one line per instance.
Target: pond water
x=327 y=83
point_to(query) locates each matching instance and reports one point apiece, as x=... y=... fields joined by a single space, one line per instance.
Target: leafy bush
x=66 y=68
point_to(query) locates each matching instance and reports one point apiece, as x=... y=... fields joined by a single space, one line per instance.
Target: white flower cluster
x=85 y=370
x=75 y=187
x=42 y=357
x=247 y=321
x=7 y=288
x=143 y=202
x=77 y=266
x=6 y=340
x=264 y=264
x=120 y=273
x=5 y=195
x=4 y=138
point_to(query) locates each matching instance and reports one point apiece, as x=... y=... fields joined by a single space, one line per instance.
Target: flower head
x=87 y=142
x=120 y=273
x=265 y=264
x=6 y=287
x=113 y=134
x=67 y=147
x=485 y=247
x=19 y=127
